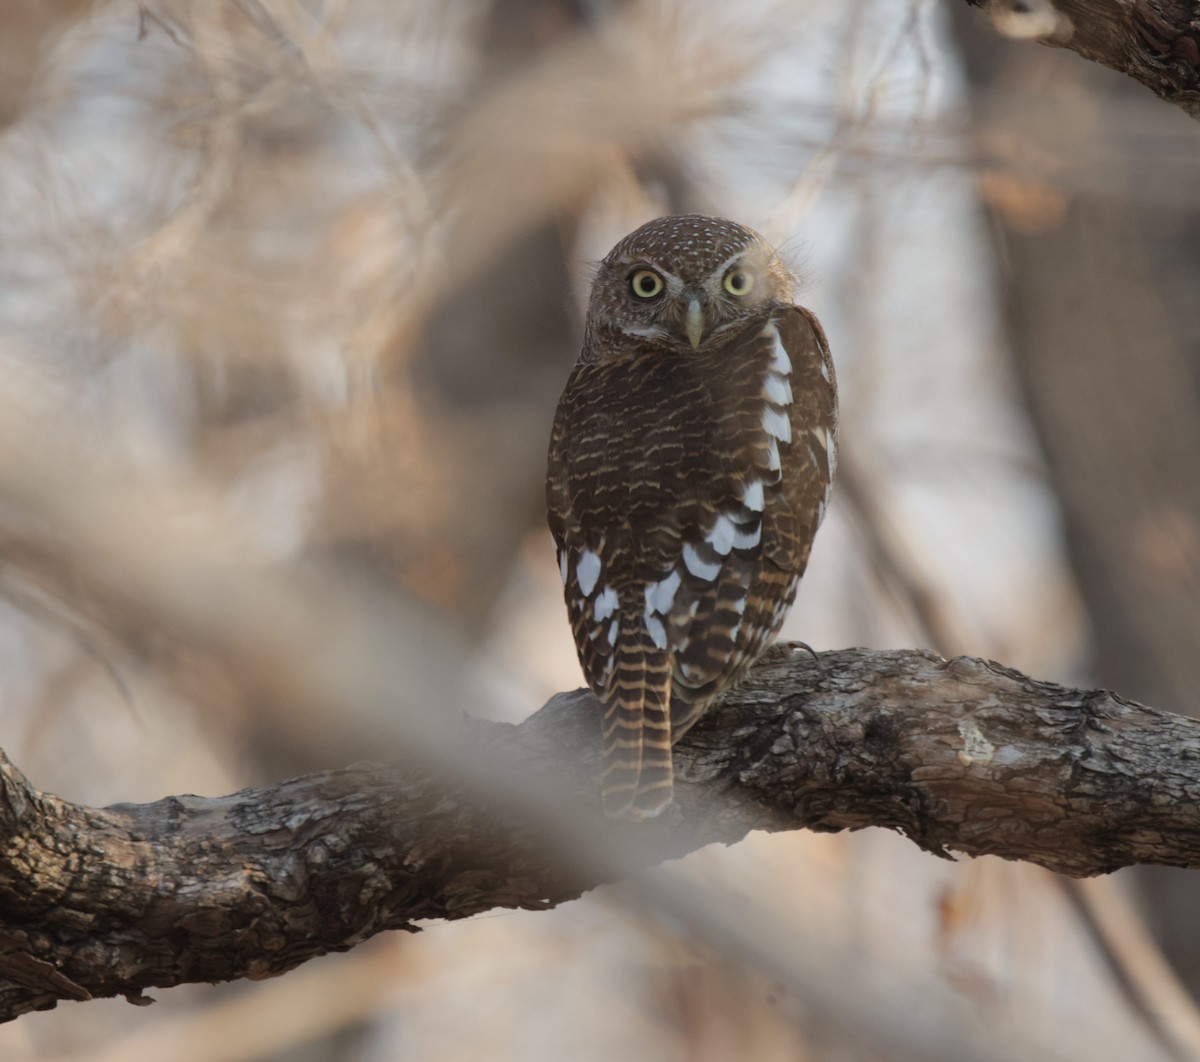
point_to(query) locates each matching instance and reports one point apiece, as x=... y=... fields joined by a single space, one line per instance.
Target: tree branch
x=964 y=755
x=1156 y=42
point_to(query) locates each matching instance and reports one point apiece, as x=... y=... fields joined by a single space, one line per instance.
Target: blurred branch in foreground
x=961 y=754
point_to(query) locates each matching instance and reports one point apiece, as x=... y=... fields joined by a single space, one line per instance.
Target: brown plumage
x=690 y=465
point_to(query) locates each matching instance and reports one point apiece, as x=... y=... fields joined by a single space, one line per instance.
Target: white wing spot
x=722 y=535
x=606 y=604
x=777 y=389
x=660 y=596
x=780 y=362
x=825 y=371
x=773 y=456
x=587 y=571
x=816 y=452
x=753 y=498
x=562 y=565
x=829 y=445
x=696 y=565
x=657 y=632
x=777 y=424
x=612 y=632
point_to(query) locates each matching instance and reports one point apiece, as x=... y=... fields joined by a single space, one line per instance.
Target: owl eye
x=738 y=282
x=646 y=283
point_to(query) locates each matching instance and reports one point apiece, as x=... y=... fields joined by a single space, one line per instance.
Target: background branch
x=1156 y=42
x=961 y=754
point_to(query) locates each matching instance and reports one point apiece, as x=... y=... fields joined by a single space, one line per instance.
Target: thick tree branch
x=963 y=755
x=1156 y=42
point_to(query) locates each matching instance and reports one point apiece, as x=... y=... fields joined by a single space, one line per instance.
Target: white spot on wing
x=696 y=565
x=660 y=596
x=777 y=389
x=828 y=445
x=612 y=632
x=657 y=632
x=777 y=424
x=722 y=534
x=780 y=362
x=753 y=498
x=773 y=456
x=562 y=565
x=606 y=604
x=587 y=571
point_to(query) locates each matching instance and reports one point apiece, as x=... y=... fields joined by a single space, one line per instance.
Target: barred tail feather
x=637 y=730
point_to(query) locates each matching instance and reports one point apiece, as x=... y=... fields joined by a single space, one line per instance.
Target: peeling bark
x=961 y=755
x=1156 y=42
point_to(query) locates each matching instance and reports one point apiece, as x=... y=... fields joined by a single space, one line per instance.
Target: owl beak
x=694 y=323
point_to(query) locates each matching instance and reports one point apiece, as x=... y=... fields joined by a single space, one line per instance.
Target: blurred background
x=288 y=292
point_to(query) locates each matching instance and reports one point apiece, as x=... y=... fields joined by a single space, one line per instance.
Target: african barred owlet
x=690 y=465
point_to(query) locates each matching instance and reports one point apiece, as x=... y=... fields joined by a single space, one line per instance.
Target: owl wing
x=742 y=556
x=591 y=602
x=627 y=667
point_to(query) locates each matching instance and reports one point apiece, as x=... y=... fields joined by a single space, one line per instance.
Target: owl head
x=685 y=281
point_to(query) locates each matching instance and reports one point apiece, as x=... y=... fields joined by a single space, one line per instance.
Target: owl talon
x=816 y=657
x=779 y=652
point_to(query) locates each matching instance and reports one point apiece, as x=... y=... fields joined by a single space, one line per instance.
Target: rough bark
x=1156 y=42
x=961 y=755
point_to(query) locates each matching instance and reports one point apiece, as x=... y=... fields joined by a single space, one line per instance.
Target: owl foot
x=780 y=651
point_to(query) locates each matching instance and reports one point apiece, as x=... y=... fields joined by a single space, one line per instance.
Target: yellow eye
x=738 y=282
x=646 y=283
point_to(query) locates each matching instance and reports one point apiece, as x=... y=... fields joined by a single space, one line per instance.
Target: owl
x=691 y=461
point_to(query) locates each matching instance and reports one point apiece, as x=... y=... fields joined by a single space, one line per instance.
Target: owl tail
x=637 y=729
